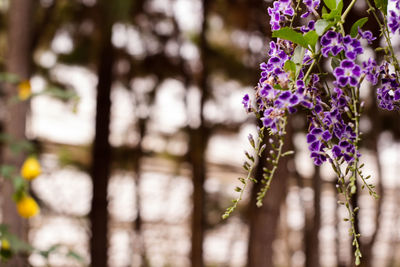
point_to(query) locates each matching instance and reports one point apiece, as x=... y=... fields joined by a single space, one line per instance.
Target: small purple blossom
x=331 y=42
x=344 y=149
x=310 y=26
x=278 y=13
x=272 y=118
x=366 y=35
x=393 y=21
x=347 y=73
x=370 y=70
x=312 y=6
x=388 y=94
x=287 y=100
x=316 y=138
x=352 y=47
x=246 y=102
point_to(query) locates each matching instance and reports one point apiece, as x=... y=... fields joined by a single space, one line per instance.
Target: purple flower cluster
x=316 y=139
x=332 y=134
x=393 y=21
x=279 y=12
x=389 y=93
x=333 y=43
x=370 y=71
x=329 y=124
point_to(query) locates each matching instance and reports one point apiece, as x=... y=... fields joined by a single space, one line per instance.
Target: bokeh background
x=137 y=118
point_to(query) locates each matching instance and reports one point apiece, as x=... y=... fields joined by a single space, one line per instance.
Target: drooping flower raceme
x=293 y=80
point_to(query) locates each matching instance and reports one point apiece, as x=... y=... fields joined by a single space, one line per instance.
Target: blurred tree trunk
x=197 y=145
x=367 y=246
x=197 y=149
x=313 y=224
x=101 y=151
x=138 y=222
x=264 y=220
x=18 y=62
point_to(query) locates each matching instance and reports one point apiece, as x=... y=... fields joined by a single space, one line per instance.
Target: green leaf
x=76 y=256
x=311 y=38
x=19 y=183
x=290 y=66
x=16 y=244
x=290 y=35
x=298 y=55
x=339 y=7
x=331 y=4
x=334 y=15
x=9 y=77
x=7 y=171
x=381 y=5
x=335 y=63
x=356 y=25
x=321 y=26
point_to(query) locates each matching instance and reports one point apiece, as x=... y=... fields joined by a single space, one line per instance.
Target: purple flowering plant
x=292 y=79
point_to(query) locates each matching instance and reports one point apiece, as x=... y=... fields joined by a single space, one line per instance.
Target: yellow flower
x=27 y=207
x=5 y=245
x=24 y=90
x=31 y=168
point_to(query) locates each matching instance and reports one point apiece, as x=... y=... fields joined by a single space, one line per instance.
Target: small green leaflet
x=321 y=26
x=331 y=4
x=290 y=35
x=381 y=5
x=354 y=28
x=290 y=67
x=335 y=14
x=309 y=39
x=335 y=63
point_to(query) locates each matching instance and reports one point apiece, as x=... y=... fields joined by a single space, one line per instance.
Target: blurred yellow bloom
x=4 y=244
x=27 y=207
x=24 y=90
x=31 y=168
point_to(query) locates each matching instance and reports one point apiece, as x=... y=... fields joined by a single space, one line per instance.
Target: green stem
x=275 y=161
x=347 y=11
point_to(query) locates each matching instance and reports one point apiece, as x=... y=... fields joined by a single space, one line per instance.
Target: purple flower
x=310 y=26
x=370 y=70
x=331 y=42
x=388 y=94
x=267 y=92
x=246 y=102
x=352 y=47
x=393 y=21
x=287 y=100
x=319 y=158
x=271 y=119
x=347 y=73
x=366 y=35
x=344 y=149
x=278 y=13
x=311 y=5
x=316 y=137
